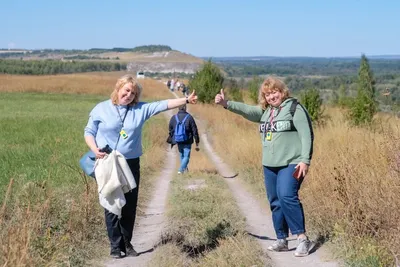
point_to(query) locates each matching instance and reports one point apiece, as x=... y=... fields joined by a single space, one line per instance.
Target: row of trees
x=304 y=66
x=42 y=67
x=152 y=48
x=209 y=80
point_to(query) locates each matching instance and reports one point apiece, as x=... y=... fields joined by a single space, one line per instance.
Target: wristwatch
x=187 y=100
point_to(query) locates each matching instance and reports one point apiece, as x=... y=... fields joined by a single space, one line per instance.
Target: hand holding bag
x=87 y=161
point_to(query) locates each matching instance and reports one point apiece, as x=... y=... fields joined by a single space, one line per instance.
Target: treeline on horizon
x=304 y=66
x=49 y=67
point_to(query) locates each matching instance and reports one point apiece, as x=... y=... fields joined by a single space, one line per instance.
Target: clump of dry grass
x=48 y=228
x=236 y=251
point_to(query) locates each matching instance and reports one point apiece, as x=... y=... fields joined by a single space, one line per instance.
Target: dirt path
x=147 y=232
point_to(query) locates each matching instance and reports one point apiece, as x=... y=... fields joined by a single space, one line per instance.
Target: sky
x=207 y=28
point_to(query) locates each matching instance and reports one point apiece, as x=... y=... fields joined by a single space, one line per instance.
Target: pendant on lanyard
x=268 y=136
x=123 y=134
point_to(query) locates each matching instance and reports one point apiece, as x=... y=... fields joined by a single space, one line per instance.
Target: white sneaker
x=303 y=248
x=279 y=245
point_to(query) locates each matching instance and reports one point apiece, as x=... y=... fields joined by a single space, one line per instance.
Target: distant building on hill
x=140 y=75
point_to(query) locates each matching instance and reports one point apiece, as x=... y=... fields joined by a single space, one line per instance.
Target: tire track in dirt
x=149 y=227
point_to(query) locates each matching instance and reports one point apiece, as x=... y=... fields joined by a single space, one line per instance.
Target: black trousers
x=120 y=230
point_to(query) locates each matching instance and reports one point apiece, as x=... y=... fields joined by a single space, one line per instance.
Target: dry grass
x=101 y=83
x=38 y=228
x=237 y=251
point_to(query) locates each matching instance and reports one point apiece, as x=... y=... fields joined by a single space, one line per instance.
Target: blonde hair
x=271 y=84
x=121 y=82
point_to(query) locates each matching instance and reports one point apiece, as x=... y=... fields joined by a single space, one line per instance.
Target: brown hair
x=121 y=82
x=271 y=84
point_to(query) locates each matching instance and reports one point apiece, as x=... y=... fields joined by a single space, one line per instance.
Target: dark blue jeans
x=184 y=151
x=120 y=230
x=282 y=192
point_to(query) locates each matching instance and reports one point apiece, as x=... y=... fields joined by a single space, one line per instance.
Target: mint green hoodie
x=290 y=147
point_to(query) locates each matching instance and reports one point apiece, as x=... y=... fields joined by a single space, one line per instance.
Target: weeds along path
x=258 y=219
x=148 y=229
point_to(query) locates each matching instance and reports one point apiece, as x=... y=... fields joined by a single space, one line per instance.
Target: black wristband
x=187 y=100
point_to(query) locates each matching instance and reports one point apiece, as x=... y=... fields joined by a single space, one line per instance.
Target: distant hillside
x=144 y=53
x=148 y=58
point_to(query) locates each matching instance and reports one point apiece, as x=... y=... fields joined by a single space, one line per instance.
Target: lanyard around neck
x=119 y=115
x=270 y=124
x=122 y=126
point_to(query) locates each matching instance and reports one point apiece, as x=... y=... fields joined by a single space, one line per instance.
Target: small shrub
x=254 y=87
x=312 y=101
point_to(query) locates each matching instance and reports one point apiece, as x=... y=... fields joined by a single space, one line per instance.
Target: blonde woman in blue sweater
x=121 y=119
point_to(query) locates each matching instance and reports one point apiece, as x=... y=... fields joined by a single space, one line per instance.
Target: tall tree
x=364 y=106
x=207 y=82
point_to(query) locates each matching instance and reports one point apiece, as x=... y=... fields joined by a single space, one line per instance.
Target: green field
x=42 y=137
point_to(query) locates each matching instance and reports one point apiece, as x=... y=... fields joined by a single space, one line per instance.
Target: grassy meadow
x=49 y=212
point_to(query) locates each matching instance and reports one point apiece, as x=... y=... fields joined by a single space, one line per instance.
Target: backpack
x=180 y=132
x=293 y=106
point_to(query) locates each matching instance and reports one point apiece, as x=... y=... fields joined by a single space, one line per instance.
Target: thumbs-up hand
x=192 y=98
x=220 y=99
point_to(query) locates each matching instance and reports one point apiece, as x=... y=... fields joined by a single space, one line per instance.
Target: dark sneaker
x=303 y=248
x=115 y=253
x=279 y=245
x=130 y=251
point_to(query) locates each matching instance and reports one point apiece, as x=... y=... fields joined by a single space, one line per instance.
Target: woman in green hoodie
x=287 y=140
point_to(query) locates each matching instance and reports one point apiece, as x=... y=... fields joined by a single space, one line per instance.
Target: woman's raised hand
x=192 y=98
x=220 y=99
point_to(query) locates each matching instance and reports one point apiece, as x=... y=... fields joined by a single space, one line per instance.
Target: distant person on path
x=172 y=85
x=183 y=89
x=287 y=141
x=182 y=131
x=120 y=119
x=168 y=84
x=177 y=84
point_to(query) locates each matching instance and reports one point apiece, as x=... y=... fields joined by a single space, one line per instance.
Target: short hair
x=271 y=84
x=121 y=82
x=183 y=107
